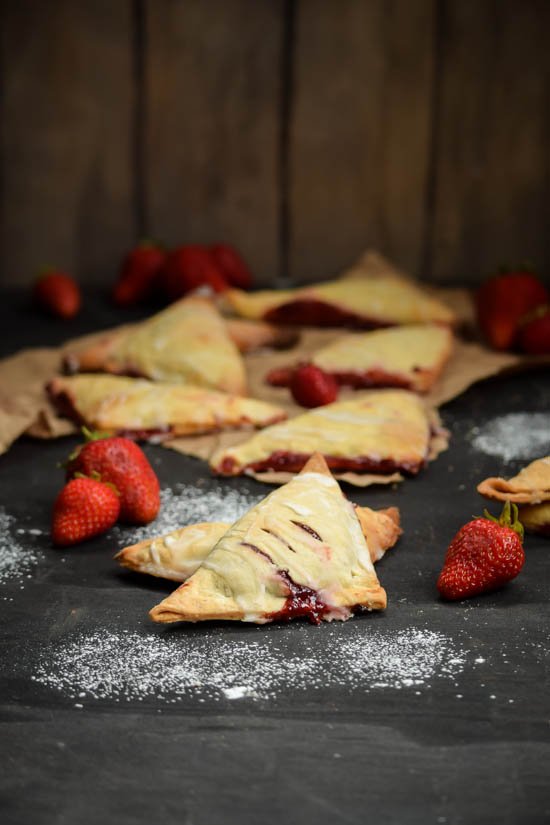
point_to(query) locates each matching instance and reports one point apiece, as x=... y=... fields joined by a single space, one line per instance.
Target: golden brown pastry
x=411 y=357
x=177 y=555
x=385 y=299
x=186 y=343
x=530 y=489
x=536 y=517
x=299 y=552
x=143 y=409
x=530 y=486
x=376 y=432
x=253 y=335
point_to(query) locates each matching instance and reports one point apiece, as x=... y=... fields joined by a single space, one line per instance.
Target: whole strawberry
x=311 y=387
x=503 y=300
x=122 y=463
x=190 y=267
x=58 y=294
x=534 y=333
x=84 y=508
x=232 y=266
x=484 y=555
x=139 y=273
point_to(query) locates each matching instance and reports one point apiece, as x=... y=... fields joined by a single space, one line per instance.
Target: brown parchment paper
x=25 y=408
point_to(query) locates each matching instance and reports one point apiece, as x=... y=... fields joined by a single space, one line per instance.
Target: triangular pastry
x=382 y=300
x=411 y=357
x=384 y=431
x=133 y=406
x=530 y=489
x=178 y=554
x=299 y=552
x=186 y=343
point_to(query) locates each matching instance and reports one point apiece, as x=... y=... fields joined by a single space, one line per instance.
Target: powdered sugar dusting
x=190 y=504
x=126 y=666
x=514 y=436
x=16 y=561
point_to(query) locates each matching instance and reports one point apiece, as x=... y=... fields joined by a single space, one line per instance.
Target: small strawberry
x=139 y=271
x=84 y=508
x=58 y=293
x=190 y=267
x=503 y=300
x=232 y=265
x=534 y=333
x=123 y=463
x=311 y=387
x=484 y=555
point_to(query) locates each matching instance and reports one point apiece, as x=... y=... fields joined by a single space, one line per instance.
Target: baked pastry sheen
x=376 y=432
x=411 y=357
x=177 y=555
x=530 y=489
x=143 y=409
x=384 y=300
x=186 y=343
x=299 y=552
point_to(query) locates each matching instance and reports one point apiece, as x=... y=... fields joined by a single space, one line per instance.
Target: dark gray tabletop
x=326 y=731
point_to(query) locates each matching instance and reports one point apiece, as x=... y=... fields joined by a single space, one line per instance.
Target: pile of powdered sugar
x=16 y=561
x=514 y=436
x=190 y=504
x=125 y=666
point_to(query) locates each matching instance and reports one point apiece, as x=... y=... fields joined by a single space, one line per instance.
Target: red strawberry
x=84 y=508
x=190 y=267
x=58 y=293
x=485 y=554
x=139 y=270
x=124 y=464
x=503 y=300
x=232 y=265
x=311 y=387
x=534 y=333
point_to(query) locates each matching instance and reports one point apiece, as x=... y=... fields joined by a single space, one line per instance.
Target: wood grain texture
x=360 y=132
x=66 y=164
x=213 y=85
x=492 y=164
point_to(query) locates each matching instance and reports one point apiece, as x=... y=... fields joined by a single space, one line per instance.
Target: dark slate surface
x=330 y=755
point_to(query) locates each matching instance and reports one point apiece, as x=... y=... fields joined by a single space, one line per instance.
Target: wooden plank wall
x=302 y=131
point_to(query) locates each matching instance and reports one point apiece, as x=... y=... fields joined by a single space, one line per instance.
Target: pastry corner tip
x=316 y=464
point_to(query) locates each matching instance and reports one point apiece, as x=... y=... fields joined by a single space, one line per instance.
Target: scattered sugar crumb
x=125 y=666
x=189 y=504
x=513 y=436
x=16 y=561
x=238 y=692
x=32 y=531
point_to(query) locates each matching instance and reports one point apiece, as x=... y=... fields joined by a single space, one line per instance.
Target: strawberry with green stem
x=484 y=555
x=123 y=463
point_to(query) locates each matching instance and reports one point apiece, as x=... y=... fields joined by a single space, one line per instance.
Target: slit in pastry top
x=267 y=567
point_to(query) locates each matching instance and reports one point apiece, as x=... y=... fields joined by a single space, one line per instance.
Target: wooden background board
x=302 y=131
x=67 y=189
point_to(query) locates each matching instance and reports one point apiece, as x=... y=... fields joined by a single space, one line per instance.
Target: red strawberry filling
x=282 y=377
x=315 y=313
x=284 y=461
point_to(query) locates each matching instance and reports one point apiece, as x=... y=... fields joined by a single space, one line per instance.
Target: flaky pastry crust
x=300 y=551
x=186 y=343
x=178 y=554
x=383 y=432
x=147 y=410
